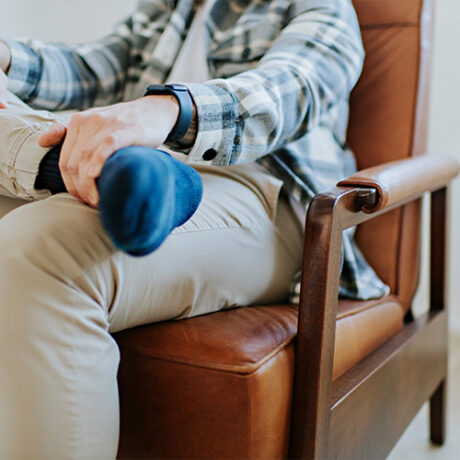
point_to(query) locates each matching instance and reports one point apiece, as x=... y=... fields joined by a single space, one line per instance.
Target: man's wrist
x=167 y=104
x=186 y=107
x=5 y=57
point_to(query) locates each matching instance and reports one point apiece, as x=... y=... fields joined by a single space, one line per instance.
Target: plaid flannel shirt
x=282 y=72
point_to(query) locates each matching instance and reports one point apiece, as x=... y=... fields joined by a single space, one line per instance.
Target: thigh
x=231 y=252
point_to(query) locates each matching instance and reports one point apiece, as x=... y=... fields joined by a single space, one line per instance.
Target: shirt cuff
x=25 y=68
x=218 y=128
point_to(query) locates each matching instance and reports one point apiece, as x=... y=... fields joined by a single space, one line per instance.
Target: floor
x=415 y=444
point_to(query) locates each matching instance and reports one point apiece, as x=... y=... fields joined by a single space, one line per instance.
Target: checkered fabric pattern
x=282 y=73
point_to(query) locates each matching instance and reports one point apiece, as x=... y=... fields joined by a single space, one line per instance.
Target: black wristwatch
x=180 y=92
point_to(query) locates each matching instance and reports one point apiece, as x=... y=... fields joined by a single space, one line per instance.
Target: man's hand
x=93 y=135
x=5 y=59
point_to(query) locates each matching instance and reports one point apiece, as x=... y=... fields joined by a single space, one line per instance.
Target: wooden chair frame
x=363 y=413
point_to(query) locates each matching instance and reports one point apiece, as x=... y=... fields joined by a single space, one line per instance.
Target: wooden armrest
x=362 y=197
x=400 y=181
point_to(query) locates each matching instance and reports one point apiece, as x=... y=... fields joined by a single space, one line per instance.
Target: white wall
x=444 y=133
x=78 y=20
x=66 y=20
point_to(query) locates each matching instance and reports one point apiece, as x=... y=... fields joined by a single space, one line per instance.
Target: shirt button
x=246 y=52
x=209 y=154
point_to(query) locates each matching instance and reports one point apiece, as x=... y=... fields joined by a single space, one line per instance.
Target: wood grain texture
x=372 y=405
x=411 y=372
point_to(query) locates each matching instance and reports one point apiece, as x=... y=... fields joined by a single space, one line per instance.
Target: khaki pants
x=64 y=288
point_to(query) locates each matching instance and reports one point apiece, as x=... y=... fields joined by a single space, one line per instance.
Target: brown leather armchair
x=246 y=383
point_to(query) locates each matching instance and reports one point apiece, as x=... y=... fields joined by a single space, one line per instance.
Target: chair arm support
x=362 y=197
x=401 y=181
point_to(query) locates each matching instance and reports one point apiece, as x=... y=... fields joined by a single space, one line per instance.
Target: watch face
x=155 y=89
x=165 y=89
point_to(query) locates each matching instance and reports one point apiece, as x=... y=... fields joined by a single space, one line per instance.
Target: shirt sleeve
x=310 y=68
x=57 y=76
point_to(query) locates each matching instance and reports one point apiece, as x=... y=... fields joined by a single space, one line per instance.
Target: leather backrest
x=388 y=121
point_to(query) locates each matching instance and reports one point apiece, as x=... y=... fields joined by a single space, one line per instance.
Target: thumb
x=3 y=102
x=54 y=136
x=3 y=84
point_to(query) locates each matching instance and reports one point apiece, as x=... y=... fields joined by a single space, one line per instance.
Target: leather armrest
x=402 y=180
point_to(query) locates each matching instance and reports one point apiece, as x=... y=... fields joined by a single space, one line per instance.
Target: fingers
x=85 y=183
x=92 y=194
x=3 y=86
x=76 y=153
x=68 y=171
x=90 y=140
x=92 y=136
x=87 y=187
x=54 y=136
x=93 y=160
x=110 y=145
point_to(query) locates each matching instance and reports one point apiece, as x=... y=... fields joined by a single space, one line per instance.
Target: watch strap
x=181 y=93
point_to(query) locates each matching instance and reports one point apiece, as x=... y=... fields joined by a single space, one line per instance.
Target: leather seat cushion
x=194 y=386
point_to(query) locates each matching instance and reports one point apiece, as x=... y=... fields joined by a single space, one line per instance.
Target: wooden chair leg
x=438 y=415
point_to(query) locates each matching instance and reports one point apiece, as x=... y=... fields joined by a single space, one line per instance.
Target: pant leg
x=64 y=288
x=20 y=154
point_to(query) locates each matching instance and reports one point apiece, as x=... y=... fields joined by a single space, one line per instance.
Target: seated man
x=261 y=116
